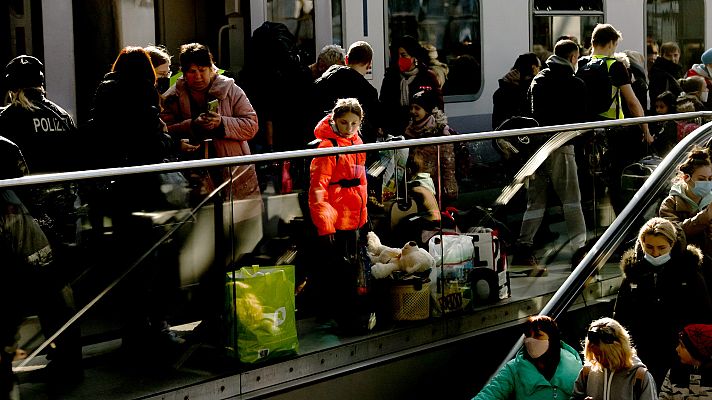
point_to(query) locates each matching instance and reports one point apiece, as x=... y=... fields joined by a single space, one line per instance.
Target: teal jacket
x=519 y=379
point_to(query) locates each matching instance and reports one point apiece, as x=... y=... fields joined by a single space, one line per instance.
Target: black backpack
x=594 y=72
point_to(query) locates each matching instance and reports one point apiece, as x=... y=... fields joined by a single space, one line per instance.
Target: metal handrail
x=286 y=155
x=616 y=232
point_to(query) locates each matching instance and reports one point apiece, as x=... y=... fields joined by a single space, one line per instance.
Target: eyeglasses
x=601 y=334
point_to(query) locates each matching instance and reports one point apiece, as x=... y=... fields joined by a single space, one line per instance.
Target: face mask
x=703 y=96
x=702 y=188
x=162 y=84
x=536 y=347
x=657 y=261
x=405 y=64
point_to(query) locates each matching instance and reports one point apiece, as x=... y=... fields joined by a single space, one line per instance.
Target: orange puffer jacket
x=337 y=190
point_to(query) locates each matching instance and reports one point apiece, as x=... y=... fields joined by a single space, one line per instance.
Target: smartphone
x=213 y=106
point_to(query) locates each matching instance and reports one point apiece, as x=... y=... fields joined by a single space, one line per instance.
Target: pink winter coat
x=239 y=120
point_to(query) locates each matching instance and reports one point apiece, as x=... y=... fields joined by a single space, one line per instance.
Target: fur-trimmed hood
x=684 y=256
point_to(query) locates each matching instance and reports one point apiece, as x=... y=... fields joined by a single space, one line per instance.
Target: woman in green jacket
x=545 y=369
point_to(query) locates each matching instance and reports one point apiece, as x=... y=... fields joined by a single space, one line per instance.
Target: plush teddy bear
x=377 y=252
x=411 y=260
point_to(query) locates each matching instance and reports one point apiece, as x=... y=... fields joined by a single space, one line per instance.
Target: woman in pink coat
x=213 y=132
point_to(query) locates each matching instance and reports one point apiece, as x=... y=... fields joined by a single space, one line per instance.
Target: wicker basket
x=409 y=303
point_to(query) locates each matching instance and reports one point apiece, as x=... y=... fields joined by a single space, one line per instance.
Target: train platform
x=204 y=371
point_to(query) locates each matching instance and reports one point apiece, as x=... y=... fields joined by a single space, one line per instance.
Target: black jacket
x=340 y=82
x=663 y=76
x=46 y=135
x=655 y=303
x=127 y=129
x=510 y=100
x=557 y=96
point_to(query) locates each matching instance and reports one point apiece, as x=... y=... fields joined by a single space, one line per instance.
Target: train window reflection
x=680 y=22
x=547 y=29
x=568 y=5
x=298 y=16
x=450 y=33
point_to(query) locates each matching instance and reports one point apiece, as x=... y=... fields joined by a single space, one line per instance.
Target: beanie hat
x=697 y=339
x=707 y=57
x=426 y=99
x=24 y=72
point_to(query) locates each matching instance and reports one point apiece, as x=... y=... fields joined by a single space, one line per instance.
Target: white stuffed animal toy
x=377 y=252
x=411 y=260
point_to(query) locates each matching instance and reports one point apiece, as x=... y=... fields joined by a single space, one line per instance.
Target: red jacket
x=337 y=190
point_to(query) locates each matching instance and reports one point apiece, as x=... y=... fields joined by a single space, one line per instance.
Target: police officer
x=46 y=136
x=44 y=132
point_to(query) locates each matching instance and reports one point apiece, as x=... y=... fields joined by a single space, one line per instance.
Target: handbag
x=260 y=312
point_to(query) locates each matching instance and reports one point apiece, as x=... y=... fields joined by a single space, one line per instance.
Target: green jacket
x=519 y=379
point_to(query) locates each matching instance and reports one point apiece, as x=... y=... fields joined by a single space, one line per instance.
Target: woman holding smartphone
x=212 y=112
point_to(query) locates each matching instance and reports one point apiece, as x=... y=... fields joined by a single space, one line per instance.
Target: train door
x=678 y=21
x=317 y=23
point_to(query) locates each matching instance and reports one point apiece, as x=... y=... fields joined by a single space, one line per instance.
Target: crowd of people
x=576 y=84
x=139 y=117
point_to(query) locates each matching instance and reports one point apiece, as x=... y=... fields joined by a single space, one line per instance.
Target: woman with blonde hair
x=662 y=291
x=612 y=370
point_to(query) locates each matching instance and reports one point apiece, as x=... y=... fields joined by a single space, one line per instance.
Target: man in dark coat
x=348 y=81
x=556 y=96
x=665 y=72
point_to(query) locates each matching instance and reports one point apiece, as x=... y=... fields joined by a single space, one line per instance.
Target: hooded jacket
x=239 y=124
x=701 y=70
x=510 y=99
x=690 y=216
x=433 y=125
x=557 y=96
x=656 y=302
x=519 y=379
x=615 y=385
x=337 y=189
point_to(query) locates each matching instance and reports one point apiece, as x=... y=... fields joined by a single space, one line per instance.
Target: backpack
x=594 y=72
x=637 y=385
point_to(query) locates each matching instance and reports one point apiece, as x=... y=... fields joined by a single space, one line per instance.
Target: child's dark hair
x=696 y=158
x=415 y=164
x=669 y=99
x=349 y=105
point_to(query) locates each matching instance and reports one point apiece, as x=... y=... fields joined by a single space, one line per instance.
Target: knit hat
x=707 y=57
x=697 y=339
x=426 y=99
x=24 y=72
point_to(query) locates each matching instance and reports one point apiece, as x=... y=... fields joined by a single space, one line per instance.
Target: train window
x=677 y=21
x=450 y=31
x=337 y=34
x=21 y=30
x=568 y=5
x=547 y=29
x=298 y=16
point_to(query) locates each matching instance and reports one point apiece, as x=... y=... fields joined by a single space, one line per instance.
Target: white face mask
x=536 y=347
x=703 y=96
x=657 y=261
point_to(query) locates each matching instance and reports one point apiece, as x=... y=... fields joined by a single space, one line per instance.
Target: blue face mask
x=657 y=261
x=702 y=188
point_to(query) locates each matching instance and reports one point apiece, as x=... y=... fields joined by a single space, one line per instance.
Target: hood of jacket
x=701 y=70
x=324 y=131
x=559 y=64
x=609 y=385
x=678 y=189
x=634 y=266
